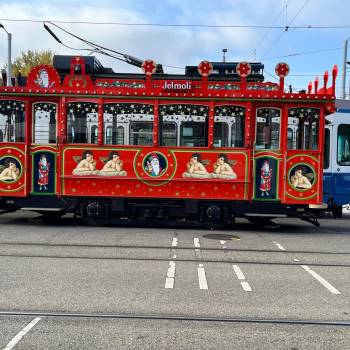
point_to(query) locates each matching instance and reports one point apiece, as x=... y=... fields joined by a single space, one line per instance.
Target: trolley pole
x=344 y=66
x=9 y=64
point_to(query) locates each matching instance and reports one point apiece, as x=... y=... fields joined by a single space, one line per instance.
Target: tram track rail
x=198 y=260
x=158 y=247
x=174 y=317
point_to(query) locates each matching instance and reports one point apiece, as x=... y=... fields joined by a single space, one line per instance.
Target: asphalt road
x=64 y=285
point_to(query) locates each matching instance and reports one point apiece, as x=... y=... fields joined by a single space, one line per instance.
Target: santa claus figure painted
x=265 y=179
x=44 y=169
x=153 y=167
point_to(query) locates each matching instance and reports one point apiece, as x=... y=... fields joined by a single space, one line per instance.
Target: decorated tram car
x=211 y=145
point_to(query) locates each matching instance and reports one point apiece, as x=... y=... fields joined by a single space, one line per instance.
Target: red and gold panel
x=13 y=171
x=302 y=180
x=161 y=172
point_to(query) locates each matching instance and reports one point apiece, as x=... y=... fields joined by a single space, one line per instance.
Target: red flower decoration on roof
x=149 y=67
x=282 y=69
x=243 y=69
x=205 y=68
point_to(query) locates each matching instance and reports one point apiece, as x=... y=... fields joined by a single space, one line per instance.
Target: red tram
x=211 y=145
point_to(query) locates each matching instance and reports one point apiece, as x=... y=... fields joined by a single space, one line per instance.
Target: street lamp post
x=344 y=66
x=9 y=64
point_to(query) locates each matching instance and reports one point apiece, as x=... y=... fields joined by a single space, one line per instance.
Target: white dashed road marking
x=21 y=334
x=196 y=244
x=245 y=285
x=201 y=277
x=321 y=280
x=279 y=246
x=170 y=277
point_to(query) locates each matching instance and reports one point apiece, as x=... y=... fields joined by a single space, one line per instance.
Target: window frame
x=341 y=164
x=178 y=126
x=33 y=123
x=25 y=119
x=244 y=125
x=280 y=109
x=318 y=143
x=96 y=102
x=125 y=125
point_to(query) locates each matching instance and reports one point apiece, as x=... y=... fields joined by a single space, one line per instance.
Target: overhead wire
x=289 y=26
x=269 y=29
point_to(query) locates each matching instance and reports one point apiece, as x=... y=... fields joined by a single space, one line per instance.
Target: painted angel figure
x=301 y=180
x=113 y=165
x=196 y=167
x=9 y=172
x=86 y=164
x=223 y=168
x=265 y=179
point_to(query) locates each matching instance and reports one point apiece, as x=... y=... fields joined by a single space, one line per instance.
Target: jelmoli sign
x=177 y=86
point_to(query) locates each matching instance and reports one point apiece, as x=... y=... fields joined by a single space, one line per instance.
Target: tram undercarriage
x=213 y=214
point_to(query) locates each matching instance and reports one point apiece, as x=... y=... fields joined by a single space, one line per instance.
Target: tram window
x=94 y=131
x=267 y=128
x=128 y=123
x=221 y=134
x=327 y=145
x=168 y=134
x=229 y=126
x=141 y=133
x=343 y=141
x=12 y=120
x=44 y=119
x=193 y=134
x=190 y=127
x=82 y=122
x=304 y=124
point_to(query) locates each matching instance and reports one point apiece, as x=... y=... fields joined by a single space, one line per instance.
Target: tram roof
x=221 y=70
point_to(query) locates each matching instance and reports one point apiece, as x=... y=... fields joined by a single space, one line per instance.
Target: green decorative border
x=152 y=182
x=303 y=155
x=299 y=189
x=277 y=199
x=12 y=147
x=55 y=177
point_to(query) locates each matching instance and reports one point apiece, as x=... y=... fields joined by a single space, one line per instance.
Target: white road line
x=201 y=277
x=239 y=272
x=321 y=280
x=170 y=277
x=174 y=242
x=245 y=285
x=223 y=244
x=21 y=334
x=279 y=246
x=196 y=242
x=295 y=259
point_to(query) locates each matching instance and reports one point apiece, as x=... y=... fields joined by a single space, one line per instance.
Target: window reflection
x=267 y=128
x=12 y=120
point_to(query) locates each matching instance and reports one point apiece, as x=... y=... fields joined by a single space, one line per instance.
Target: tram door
x=44 y=148
x=13 y=157
x=327 y=165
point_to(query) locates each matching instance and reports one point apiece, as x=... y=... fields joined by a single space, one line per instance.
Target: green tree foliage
x=30 y=59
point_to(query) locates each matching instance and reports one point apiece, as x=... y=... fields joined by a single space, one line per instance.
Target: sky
x=199 y=30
